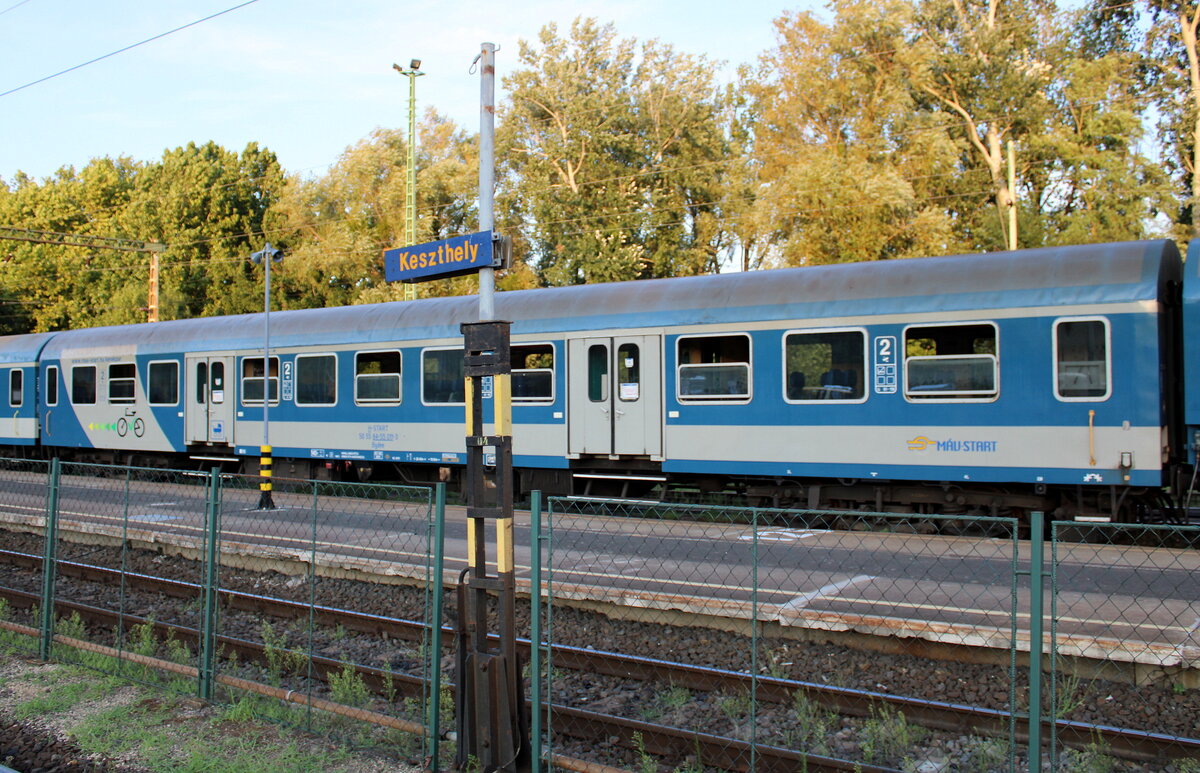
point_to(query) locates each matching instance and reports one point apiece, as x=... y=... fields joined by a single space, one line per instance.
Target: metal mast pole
x=410 y=194
x=487 y=172
x=492 y=723
x=267 y=255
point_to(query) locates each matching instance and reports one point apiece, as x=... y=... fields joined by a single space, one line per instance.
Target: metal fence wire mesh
x=177 y=578
x=283 y=572
x=760 y=603
x=1125 y=642
x=23 y=505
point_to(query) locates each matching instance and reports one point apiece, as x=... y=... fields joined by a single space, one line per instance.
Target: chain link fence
x=23 y=504
x=1124 y=645
x=315 y=612
x=725 y=631
x=764 y=602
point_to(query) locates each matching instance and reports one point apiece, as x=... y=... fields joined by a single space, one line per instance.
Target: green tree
x=849 y=167
x=1174 y=58
x=614 y=158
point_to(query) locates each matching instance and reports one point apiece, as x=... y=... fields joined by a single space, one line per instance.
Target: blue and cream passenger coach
x=1039 y=379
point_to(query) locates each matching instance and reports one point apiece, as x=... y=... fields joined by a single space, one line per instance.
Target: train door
x=615 y=395
x=210 y=400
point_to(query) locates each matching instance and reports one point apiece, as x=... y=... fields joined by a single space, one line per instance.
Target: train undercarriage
x=640 y=479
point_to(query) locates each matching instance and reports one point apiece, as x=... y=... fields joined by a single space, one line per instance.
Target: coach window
x=252 y=381
x=83 y=384
x=16 y=387
x=714 y=368
x=1082 y=366
x=52 y=385
x=824 y=366
x=442 y=376
x=377 y=377
x=316 y=379
x=122 y=377
x=629 y=373
x=951 y=362
x=598 y=373
x=163 y=386
x=201 y=383
x=532 y=373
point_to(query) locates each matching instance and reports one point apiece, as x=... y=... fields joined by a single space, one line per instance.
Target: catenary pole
x=487 y=171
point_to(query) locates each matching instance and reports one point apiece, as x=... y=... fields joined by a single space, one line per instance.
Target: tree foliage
x=613 y=156
x=873 y=131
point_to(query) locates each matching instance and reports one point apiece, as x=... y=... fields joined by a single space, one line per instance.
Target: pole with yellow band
x=265 y=501
x=494 y=727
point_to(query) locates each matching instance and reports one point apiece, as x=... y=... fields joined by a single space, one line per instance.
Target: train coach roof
x=22 y=348
x=1087 y=274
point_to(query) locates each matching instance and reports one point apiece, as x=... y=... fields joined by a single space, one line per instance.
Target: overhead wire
x=126 y=48
x=14 y=7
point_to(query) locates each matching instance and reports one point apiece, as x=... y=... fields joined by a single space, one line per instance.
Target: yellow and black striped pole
x=493 y=724
x=264 y=484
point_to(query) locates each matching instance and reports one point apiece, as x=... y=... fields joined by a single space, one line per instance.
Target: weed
x=70 y=627
x=274 y=651
x=348 y=688
x=178 y=651
x=1177 y=688
x=1093 y=758
x=675 y=698
x=813 y=727
x=777 y=663
x=646 y=763
x=141 y=639
x=5 y=610
x=887 y=734
x=339 y=632
x=1068 y=696
x=985 y=754
x=735 y=707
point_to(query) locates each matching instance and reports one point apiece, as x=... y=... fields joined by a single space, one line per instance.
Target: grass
x=173 y=734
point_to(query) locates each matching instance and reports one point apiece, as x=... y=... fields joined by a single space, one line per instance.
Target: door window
x=629 y=369
x=201 y=383
x=598 y=373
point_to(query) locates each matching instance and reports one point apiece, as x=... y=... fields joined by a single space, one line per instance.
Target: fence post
x=435 y=644
x=208 y=655
x=535 y=629
x=49 y=561
x=1036 y=567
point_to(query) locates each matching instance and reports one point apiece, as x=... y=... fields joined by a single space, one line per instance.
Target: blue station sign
x=437 y=260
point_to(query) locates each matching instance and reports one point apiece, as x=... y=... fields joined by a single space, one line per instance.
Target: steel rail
x=939 y=715
x=734 y=754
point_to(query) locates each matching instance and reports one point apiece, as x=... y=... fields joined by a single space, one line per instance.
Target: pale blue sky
x=305 y=78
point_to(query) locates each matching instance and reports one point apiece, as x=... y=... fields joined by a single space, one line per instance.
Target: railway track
x=654 y=738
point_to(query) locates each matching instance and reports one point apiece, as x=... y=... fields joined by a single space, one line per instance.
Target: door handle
x=620 y=413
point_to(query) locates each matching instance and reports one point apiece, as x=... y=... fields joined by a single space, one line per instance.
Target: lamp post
x=410 y=198
x=267 y=255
